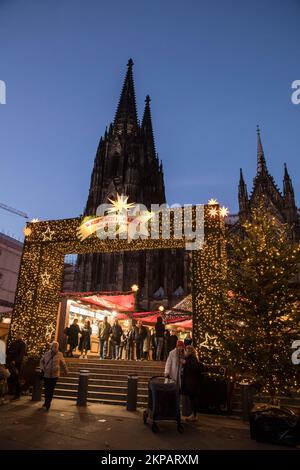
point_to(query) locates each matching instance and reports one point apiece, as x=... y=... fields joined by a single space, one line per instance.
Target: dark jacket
x=73 y=333
x=187 y=341
x=16 y=352
x=141 y=334
x=104 y=331
x=159 y=330
x=131 y=337
x=171 y=342
x=116 y=333
x=85 y=340
x=191 y=377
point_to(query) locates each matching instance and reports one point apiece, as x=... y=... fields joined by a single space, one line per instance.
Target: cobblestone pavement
x=24 y=425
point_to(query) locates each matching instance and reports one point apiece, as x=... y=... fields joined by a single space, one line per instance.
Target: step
x=98 y=396
x=98 y=388
x=106 y=381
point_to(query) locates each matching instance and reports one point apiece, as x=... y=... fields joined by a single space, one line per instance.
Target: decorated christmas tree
x=260 y=307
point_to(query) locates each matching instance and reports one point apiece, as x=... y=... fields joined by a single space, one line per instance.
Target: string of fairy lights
x=41 y=271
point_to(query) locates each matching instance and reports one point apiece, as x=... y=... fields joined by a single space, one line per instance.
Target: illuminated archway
x=41 y=271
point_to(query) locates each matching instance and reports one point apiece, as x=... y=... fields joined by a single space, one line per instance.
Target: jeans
x=139 y=349
x=115 y=350
x=49 y=385
x=103 y=348
x=130 y=351
x=160 y=343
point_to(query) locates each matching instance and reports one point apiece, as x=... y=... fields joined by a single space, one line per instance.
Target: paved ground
x=23 y=425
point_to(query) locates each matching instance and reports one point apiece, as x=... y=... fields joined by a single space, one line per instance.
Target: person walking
x=51 y=363
x=104 y=334
x=159 y=333
x=73 y=334
x=173 y=367
x=16 y=351
x=85 y=339
x=191 y=380
x=14 y=360
x=116 y=334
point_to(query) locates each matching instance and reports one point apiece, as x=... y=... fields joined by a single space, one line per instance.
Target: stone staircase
x=108 y=380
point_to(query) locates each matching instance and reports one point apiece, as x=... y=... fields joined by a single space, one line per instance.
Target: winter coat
x=73 y=333
x=147 y=341
x=116 y=333
x=131 y=336
x=187 y=341
x=16 y=352
x=171 y=342
x=141 y=333
x=159 y=330
x=191 y=376
x=51 y=364
x=104 y=331
x=85 y=340
x=173 y=366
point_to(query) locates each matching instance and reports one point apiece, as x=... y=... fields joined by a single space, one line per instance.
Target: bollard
x=247 y=395
x=83 y=387
x=132 y=393
x=37 y=386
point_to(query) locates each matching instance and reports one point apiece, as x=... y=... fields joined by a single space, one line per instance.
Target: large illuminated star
x=120 y=204
x=48 y=234
x=212 y=202
x=210 y=342
x=224 y=211
x=213 y=211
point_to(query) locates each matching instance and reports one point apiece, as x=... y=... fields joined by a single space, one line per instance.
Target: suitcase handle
x=160 y=377
x=283 y=410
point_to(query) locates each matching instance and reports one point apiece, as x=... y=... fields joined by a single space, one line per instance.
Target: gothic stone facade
x=281 y=205
x=126 y=163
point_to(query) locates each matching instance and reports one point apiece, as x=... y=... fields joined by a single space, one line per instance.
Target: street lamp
x=134 y=288
x=161 y=308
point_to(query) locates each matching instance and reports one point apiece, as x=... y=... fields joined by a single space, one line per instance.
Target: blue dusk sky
x=214 y=70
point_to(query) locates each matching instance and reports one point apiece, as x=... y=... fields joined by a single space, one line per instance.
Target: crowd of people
x=136 y=342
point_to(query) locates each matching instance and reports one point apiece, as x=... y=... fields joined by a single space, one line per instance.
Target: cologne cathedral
x=281 y=205
x=126 y=163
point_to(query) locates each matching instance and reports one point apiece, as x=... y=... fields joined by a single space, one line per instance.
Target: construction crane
x=14 y=211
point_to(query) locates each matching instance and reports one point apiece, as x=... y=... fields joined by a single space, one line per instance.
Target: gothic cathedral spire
x=261 y=162
x=126 y=115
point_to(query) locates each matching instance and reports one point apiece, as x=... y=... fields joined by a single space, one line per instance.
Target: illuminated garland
x=41 y=272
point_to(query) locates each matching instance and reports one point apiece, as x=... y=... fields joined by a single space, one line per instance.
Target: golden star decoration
x=34 y=221
x=212 y=202
x=48 y=234
x=210 y=342
x=27 y=231
x=120 y=204
x=213 y=211
x=224 y=211
x=45 y=279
